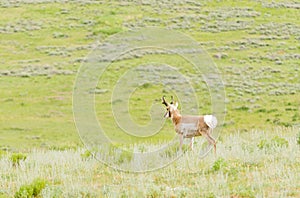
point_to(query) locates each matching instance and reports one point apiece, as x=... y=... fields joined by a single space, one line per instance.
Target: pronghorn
x=190 y=126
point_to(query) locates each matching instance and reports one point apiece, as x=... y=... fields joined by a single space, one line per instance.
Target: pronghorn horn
x=164 y=101
x=172 y=100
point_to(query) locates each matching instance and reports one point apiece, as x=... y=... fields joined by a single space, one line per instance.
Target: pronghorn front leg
x=181 y=140
x=192 y=143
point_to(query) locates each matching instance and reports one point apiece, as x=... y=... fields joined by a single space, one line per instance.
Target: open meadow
x=254 y=45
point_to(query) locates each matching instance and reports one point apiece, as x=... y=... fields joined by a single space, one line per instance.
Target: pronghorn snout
x=167 y=114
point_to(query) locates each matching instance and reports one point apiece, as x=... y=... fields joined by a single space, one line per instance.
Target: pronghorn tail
x=211 y=121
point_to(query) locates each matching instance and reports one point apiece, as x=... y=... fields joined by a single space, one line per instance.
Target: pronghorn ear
x=176 y=104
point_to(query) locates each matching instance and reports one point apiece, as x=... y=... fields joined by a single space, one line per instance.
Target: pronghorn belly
x=211 y=121
x=189 y=130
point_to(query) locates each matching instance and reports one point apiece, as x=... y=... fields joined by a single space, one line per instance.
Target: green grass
x=38 y=109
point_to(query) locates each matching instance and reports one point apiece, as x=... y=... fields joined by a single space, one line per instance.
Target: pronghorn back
x=191 y=126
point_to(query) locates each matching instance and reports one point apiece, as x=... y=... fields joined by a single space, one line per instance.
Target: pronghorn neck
x=176 y=117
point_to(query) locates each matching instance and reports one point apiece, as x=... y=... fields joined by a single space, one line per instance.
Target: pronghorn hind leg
x=211 y=140
x=210 y=131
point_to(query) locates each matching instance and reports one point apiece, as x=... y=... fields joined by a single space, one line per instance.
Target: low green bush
x=275 y=141
x=263 y=144
x=219 y=164
x=279 y=142
x=125 y=156
x=16 y=158
x=31 y=190
x=244 y=192
x=86 y=155
x=2 y=153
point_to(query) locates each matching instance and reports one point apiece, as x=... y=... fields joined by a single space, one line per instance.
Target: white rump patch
x=211 y=121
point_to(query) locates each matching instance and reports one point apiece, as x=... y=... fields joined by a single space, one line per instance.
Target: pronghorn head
x=171 y=107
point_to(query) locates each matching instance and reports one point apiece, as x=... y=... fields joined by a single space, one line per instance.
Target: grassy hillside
x=255 y=45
